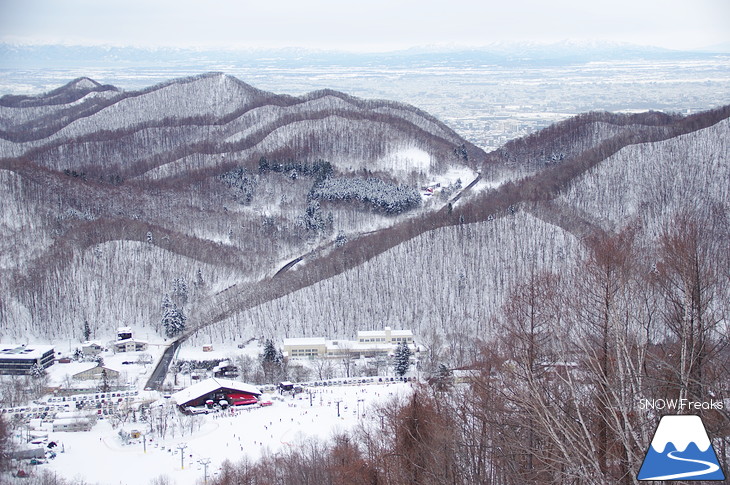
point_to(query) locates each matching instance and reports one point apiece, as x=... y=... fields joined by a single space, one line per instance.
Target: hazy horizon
x=376 y=27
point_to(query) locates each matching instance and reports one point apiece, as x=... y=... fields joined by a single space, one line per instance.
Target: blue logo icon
x=681 y=450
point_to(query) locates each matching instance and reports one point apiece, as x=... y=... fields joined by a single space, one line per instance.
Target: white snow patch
x=250 y=431
x=407 y=159
x=466 y=175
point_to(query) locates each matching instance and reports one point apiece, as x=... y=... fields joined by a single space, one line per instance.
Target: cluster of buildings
x=16 y=359
x=21 y=359
x=370 y=343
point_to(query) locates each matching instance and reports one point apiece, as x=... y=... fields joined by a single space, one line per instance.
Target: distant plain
x=488 y=104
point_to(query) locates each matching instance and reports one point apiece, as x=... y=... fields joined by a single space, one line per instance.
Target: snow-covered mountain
x=275 y=215
x=198 y=172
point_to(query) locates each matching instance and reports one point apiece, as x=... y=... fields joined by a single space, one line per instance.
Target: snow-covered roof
x=129 y=340
x=94 y=365
x=15 y=351
x=357 y=346
x=92 y=342
x=305 y=341
x=209 y=385
x=382 y=333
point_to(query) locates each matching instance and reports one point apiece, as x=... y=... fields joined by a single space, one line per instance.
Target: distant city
x=488 y=99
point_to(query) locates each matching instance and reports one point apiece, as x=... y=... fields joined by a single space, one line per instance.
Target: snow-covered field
x=99 y=456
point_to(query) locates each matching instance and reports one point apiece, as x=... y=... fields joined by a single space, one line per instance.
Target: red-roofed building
x=215 y=389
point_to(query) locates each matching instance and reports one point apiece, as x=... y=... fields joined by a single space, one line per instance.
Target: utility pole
x=182 y=447
x=205 y=462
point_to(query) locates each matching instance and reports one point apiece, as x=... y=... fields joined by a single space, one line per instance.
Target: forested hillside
x=455 y=279
x=115 y=199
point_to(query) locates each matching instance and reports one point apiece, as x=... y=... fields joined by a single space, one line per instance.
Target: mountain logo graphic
x=681 y=450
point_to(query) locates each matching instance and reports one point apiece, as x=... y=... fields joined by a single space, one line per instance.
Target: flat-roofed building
x=20 y=359
x=369 y=343
x=385 y=336
x=305 y=348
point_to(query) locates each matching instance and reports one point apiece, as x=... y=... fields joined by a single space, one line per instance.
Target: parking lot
x=99 y=403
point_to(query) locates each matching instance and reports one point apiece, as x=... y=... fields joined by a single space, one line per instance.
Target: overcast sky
x=372 y=25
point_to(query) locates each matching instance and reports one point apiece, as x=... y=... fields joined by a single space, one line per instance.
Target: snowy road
x=158 y=375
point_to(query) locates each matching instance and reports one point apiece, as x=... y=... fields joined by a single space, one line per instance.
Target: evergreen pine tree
x=173 y=321
x=104 y=385
x=443 y=379
x=199 y=281
x=270 y=354
x=37 y=371
x=86 y=331
x=271 y=361
x=402 y=359
x=166 y=303
x=179 y=292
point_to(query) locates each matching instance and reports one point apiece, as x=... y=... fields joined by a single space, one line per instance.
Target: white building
x=95 y=373
x=91 y=349
x=368 y=344
x=130 y=345
x=20 y=359
x=385 y=336
x=305 y=348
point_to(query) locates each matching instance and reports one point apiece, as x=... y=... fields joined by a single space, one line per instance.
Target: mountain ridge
x=84 y=231
x=230 y=112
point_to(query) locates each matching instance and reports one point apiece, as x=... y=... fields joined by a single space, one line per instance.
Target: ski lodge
x=214 y=391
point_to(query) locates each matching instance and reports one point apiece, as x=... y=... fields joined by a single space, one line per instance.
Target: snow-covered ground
x=99 y=456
